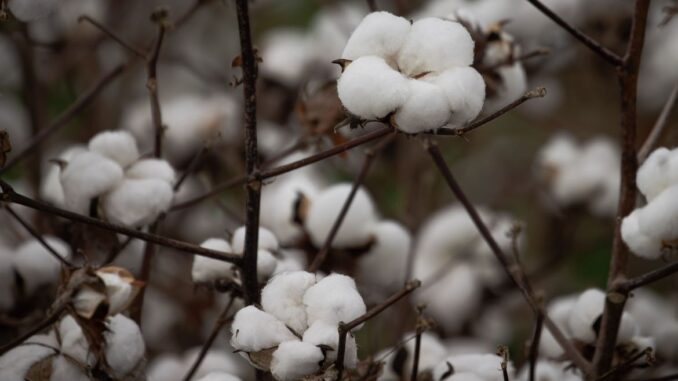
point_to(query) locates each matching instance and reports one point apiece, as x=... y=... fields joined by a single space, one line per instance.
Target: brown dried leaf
x=41 y=370
x=262 y=359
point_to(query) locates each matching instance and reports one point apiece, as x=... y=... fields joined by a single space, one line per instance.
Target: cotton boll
x=125 y=346
x=464 y=90
x=371 y=89
x=152 y=169
x=379 y=34
x=267 y=240
x=31 y=10
x=15 y=363
x=551 y=371
x=137 y=202
x=266 y=265
x=652 y=176
x=327 y=206
x=585 y=312
x=119 y=146
x=295 y=359
x=121 y=288
x=50 y=187
x=37 y=266
x=560 y=151
x=216 y=361
x=13 y=115
x=512 y=85
x=628 y=329
x=485 y=366
x=286 y=54
x=659 y=218
x=333 y=299
x=208 y=270
x=253 y=330
x=434 y=45
x=219 y=376
x=644 y=246
x=425 y=108
x=559 y=310
x=86 y=176
x=283 y=298
x=431 y=353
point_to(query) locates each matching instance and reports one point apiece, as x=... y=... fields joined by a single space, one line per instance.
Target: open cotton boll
x=86 y=176
x=31 y=10
x=208 y=270
x=15 y=363
x=283 y=297
x=286 y=54
x=119 y=146
x=327 y=334
x=641 y=244
x=424 y=109
x=585 y=312
x=333 y=299
x=659 y=218
x=559 y=310
x=253 y=330
x=295 y=359
x=36 y=265
x=327 y=206
x=125 y=348
x=266 y=241
x=152 y=169
x=433 y=45
x=137 y=202
x=121 y=288
x=50 y=187
x=550 y=371
x=371 y=89
x=512 y=85
x=464 y=89
x=653 y=175
x=485 y=366
x=219 y=376
x=379 y=34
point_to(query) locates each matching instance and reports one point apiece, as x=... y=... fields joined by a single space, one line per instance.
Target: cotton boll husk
x=512 y=85
x=550 y=371
x=333 y=299
x=295 y=359
x=380 y=270
x=15 y=363
x=119 y=146
x=50 y=187
x=424 y=109
x=327 y=206
x=125 y=348
x=659 y=218
x=371 y=89
x=283 y=297
x=152 y=169
x=644 y=246
x=485 y=366
x=464 y=90
x=86 y=176
x=137 y=202
x=658 y=172
x=36 y=265
x=379 y=34
x=207 y=270
x=219 y=376
x=286 y=54
x=31 y=10
x=267 y=240
x=434 y=45
x=253 y=330
x=120 y=291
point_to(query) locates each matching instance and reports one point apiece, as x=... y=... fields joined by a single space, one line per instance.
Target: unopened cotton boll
x=485 y=366
x=37 y=266
x=208 y=270
x=283 y=297
x=371 y=89
x=125 y=348
x=219 y=376
x=295 y=359
x=379 y=34
x=137 y=202
x=266 y=240
x=152 y=169
x=31 y=10
x=464 y=90
x=433 y=45
x=424 y=109
x=253 y=330
x=119 y=146
x=86 y=176
x=641 y=244
x=327 y=206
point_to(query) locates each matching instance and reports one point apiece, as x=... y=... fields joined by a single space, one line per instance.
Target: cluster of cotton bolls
x=129 y=190
x=64 y=353
x=653 y=229
x=418 y=74
x=575 y=174
x=298 y=325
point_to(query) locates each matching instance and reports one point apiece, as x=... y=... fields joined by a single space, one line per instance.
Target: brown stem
x=51 y=319
x=534 y=346
x=670 y=377
x=192 y=165
x=648 y=278
x=659 y=126
x=114 y=36
x=417 y=354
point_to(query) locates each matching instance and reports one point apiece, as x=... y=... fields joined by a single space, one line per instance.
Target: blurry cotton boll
x=286 y=54
x=486 y=367
x=174 y=368
x=550 y=371
x=35 y=264
x=210 y=270
x=431 y=353
x=9 y=65
x=559 y=311
x=31 y=10
x=325 y=209
x=580 y=174
x=657 y=72
x=219 y=376
x=266 y=240
x=418 y=72
x=14 y=120
x=585 y=314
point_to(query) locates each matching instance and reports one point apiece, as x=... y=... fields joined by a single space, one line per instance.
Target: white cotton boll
x=559 y=310
x=560 y=151
x=152 y=169
x=15 y=363
x=36 y=265
x=327 y=206
x=64 y=368
x=119 y=146
x=266 y=240
x=550 y=371
x=333 y=299
x=219 y=376
x=644 y=246
x=628 y=329
x=464 y=90
x=73 y=342
x=434 y=45
x=379 y=34
x=464 y=377
x=50 y=187
x=327 y=334
x=30 y=10
x=371 y=89
x=295 y=359
x=424 y=109
x=643 y=342
x=125 y=347
x=120 y=291
x=485 y=366
x=431 y=352
x=266 y=265
x=137 y=202
x=658 y=172
x=86 y=176
x=585 y=312
x=208 y=270
x=165 y=368
x=512 y=85
x=286 y=54
x=283 y=297
x=253 y=330
x=659 y=218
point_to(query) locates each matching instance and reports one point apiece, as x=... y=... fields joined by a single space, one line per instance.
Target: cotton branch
x=648 y=278
x=659 y=126
x=534 y=346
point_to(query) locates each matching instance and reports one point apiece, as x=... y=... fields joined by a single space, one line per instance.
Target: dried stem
x=534 y=346
x=114 y=36
x=659 y=126
x=51 y=319
x=651 y=277
x=192 y=165
x=670 y=377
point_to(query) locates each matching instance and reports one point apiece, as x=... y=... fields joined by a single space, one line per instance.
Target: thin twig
x=192 y=165
x=114 y=36
x=659 y=126
x=650 y=277
x=534 y=346
x=670 y=377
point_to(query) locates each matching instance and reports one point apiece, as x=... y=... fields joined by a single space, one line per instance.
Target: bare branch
x=649 y=278
x=121 y=41
x=659 y=126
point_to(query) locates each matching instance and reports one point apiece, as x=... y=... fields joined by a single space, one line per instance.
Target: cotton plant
x=657 y=321
x=295 y=333
x=419 y=74
x=652 y=230
x=586 y=174
x=64 y=353
x=451 y=255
